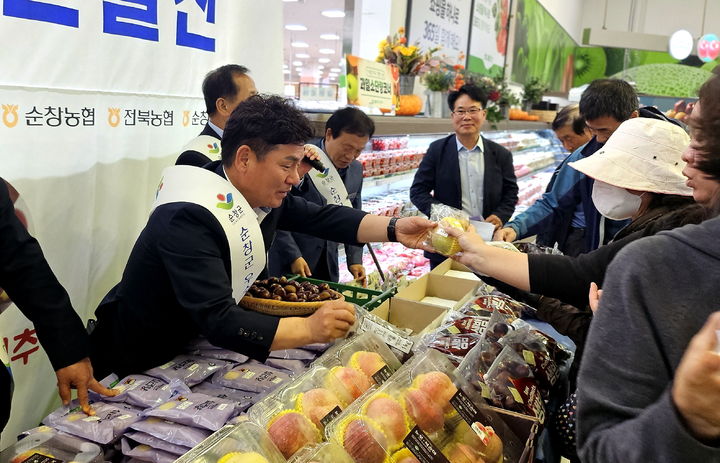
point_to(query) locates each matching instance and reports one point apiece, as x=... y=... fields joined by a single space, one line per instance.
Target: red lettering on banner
x=27 y=336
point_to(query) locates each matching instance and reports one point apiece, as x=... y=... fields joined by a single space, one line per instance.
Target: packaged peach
x=296 y=414
x=423 y=411
x=246 y=442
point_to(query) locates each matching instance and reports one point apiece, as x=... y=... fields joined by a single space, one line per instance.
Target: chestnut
x=273 y=280
x=283 y=280
x=289 y=289
x=276 y=298
x=324 y=296
x=279 y=292
x=291 y=297
x=264 y=293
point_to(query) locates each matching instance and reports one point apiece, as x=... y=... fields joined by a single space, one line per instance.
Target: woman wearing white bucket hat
x=638 y=175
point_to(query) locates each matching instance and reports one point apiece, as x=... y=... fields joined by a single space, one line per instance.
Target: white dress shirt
x=472 y=175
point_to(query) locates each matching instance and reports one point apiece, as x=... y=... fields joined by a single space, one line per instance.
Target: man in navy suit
x=180 y=279
x=223 y=89
x=347 y=132
x=465 y=170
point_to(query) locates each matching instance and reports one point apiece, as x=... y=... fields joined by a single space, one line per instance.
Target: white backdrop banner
x=96 y=99
x=441 y=22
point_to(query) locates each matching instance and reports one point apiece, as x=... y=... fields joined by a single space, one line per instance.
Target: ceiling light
x=300 y=44
x=326 y=51
x=286 y=71
x=321 y=67
x=324 y=60
x=302 y=55
x=334 y=70
x=333 y=13
x=290 y=1
x=295 y=27
x=329 y=36
x=285 y=66
x=297 y=63
x=298 y=69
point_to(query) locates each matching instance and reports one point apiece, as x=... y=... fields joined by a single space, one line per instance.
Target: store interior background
x=87 y=190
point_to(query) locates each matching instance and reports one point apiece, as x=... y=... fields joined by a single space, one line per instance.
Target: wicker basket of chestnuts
x=283 y=297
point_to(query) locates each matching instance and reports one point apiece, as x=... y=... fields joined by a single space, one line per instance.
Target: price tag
x=382 y=375
x=390 y=337
x=325 y=420
x=423 y=448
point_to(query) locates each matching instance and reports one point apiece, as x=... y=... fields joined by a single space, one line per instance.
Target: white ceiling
x=308 y=14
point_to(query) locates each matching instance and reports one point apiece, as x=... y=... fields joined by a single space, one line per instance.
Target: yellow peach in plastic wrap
x=242 y=457
x=347 y=383
x=492 y=452
x=389 y=414
x=444 y=244
x=423 y=410
x=438 y=386
x=316 y=404
x=363 y=440
x=367 y=362
x=461 y=453
x=290 y=431
x=404 y=455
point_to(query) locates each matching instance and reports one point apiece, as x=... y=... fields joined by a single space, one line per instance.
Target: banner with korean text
x=371 y=84
x=96 y=99
x=441 y=23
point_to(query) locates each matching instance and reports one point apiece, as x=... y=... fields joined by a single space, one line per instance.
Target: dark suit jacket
x=438 y=179
x=177 y=285
x=196 y=158
x=289 y=246
x=27 y=278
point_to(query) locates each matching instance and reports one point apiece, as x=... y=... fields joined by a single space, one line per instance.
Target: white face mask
x=613 y=202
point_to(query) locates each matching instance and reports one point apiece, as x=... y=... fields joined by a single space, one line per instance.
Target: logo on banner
x=186 y=118
x=10 y=115
x=114 y=117
x=324 y=173
x=226 y=201
x=214 y=148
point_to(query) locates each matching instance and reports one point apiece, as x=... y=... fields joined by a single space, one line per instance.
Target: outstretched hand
x=80 y=375
x=412 y=232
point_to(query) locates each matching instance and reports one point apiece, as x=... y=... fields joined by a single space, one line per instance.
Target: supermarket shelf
x=547 y=168
x=399 y=125
x=379 y=180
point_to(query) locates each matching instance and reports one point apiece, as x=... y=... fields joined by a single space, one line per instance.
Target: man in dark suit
x=347 y=132
x=28 y=280
x=179 y=281
x=223 y=89
x=465 y=170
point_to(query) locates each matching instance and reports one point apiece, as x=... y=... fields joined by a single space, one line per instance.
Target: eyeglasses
x=471 y=112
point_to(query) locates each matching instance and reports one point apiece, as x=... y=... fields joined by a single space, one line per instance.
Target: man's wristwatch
x=391 y=230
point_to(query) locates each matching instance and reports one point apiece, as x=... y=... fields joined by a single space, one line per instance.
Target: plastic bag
x=295 y=367
x=532 y=248
x=108 y=423
x=293 y=354
x=195 y=409
x=189 y=369
x=140 y=390
x=253 y=377
x=243 y=399
x=531 y=347
x=145 y=452
x=221 y=354
x=171 y=432
x=159 y=444
x=446 y=217
x=513 y=386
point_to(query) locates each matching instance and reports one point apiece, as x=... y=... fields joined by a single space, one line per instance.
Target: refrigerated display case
x=392 y=156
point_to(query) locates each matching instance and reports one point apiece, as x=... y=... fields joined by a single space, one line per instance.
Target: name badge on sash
x=207 y=189
x=205 y=144
x=329 y=183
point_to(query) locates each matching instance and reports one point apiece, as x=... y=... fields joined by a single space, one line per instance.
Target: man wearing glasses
x=465 y=170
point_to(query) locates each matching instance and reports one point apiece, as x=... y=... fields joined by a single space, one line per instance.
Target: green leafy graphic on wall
x=542 y=48
x=654 y=72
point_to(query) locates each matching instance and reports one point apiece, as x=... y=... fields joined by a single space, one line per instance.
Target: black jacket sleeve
x=332 y=223
x=192 y=254
x=354 y=253
x=28 y=280
x=424 y=181
x=509 y=197
x=568 y=278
